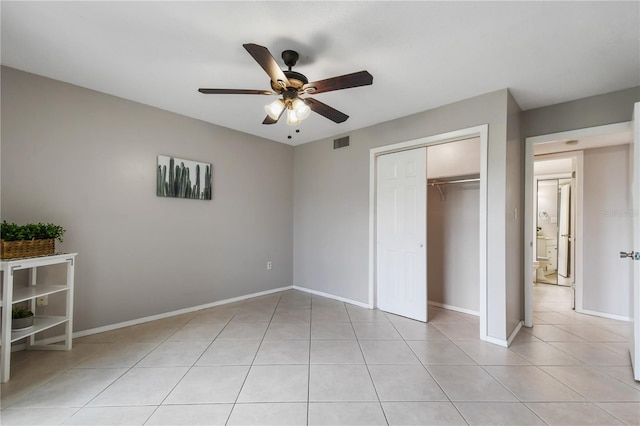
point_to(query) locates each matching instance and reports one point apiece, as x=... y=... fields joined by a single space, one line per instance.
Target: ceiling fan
x=291 y=84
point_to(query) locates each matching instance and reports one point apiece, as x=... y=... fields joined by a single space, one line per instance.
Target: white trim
x=174 y=313
x=514 y=333
x=528 y=227
x=454 y=308
x=332 y=296
x=496 y=341
x=606 y=315
x=579 y=237
x=529 y=224
x=483 y=132
x=581 y=133
x=505 y=343
x=483 y=235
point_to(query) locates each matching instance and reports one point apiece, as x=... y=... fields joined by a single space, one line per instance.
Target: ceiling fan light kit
x=291 y=84
x=275 y=108
x=301 y=109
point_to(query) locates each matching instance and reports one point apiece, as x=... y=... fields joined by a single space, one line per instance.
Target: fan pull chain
x=290 y=137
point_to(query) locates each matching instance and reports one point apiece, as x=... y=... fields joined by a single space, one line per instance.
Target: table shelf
x=21 y=294
x=40 y=323
x=12 y=294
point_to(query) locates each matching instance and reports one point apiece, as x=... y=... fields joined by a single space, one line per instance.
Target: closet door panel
x=401 y=229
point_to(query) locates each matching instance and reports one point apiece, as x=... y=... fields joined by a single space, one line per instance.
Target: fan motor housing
x=296 y=81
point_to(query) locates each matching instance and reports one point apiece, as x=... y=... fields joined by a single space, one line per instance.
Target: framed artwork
x=180 y=178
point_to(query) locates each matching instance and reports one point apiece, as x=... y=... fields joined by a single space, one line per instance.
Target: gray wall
x=607 y=224
x=609 y=108
x=453 y=246
x=331 y=202
x=514 y=297
x=86 y=161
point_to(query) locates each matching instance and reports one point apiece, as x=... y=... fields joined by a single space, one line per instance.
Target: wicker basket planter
x=26 y=248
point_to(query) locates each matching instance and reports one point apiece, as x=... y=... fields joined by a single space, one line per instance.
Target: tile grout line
x=188 y=369
x=373 y=383
x=130 y=369
x=309 y=366
x=496 y=379
x=427 y=370
x=253 y=360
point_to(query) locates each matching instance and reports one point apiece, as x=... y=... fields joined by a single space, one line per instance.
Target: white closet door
x=401 y=230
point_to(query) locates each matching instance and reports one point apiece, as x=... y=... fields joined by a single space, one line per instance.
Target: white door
x=564 y=232
x=401 y=231
x=635 y=185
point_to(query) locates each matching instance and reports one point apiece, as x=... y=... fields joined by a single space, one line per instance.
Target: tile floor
x=294 y=358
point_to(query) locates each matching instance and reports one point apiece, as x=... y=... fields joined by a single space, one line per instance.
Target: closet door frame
x=482 y=132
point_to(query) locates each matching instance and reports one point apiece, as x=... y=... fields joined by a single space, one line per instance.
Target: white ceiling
x=421 y=54
x=551 y=167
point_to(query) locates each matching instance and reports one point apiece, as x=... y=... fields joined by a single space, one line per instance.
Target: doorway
x=554 y=214
x=554 y=146
x=480 y=132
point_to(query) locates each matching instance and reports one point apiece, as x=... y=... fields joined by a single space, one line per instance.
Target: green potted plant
x=21 y=318
x=32 y=239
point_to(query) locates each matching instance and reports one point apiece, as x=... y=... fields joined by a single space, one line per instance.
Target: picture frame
x=182 y=178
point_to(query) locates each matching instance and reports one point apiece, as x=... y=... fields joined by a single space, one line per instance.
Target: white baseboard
x=332 y=296
x=502 y=342
x=605 y=315
x=496 y=341
x=454 y=308
x=172 y=313
x=515 y=333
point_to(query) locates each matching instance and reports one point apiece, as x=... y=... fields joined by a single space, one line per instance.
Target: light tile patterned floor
x=294 y=358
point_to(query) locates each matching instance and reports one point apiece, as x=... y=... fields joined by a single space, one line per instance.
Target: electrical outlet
x=269 y=265
x=42 y=301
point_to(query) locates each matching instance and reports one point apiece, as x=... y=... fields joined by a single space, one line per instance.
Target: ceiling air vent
x=341 y=142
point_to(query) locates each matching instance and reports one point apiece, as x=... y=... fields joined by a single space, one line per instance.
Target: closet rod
x=447 y=182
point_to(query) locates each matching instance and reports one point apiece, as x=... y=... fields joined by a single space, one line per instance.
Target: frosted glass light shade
x=302 y=110
x=292 y=118
x=274 y=109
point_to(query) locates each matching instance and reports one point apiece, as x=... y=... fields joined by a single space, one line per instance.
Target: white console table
x=15 y=294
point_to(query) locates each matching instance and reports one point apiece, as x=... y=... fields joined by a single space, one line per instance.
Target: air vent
x=341 y=142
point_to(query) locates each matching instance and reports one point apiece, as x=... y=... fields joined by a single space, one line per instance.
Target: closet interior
x=453 y=231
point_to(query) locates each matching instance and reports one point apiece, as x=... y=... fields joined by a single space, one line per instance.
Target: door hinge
x=635 y=255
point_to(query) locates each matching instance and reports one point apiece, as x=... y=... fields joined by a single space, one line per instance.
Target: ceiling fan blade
x=326 y=111
x=356 y=79
x=235 y=92
x=269 y=120
x=264 y=58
